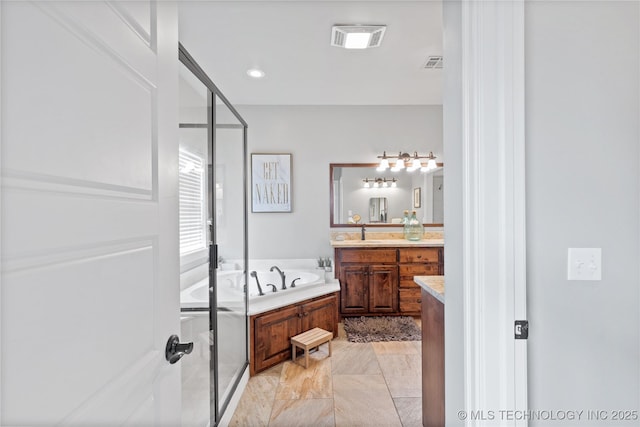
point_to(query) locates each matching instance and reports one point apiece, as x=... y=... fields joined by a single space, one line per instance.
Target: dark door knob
x=175 y=349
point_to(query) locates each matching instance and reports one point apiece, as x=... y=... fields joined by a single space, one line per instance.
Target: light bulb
x=415 y=164
x=431 y=163
x=255 y=73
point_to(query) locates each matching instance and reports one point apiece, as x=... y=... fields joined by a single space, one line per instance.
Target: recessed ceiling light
x=255 y=73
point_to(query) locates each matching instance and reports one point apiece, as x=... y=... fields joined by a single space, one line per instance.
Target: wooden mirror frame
x=332 y=224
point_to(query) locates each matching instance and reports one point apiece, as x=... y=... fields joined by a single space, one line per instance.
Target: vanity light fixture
x=406 y=160
x=380 y=183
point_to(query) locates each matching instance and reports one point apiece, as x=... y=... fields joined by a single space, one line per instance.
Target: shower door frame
x=218 y=408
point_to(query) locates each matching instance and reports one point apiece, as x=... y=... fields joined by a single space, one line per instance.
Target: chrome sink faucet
x=284 y=286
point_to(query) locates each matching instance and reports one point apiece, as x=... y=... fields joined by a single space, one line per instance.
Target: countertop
x=387 y=243
x=432 y=284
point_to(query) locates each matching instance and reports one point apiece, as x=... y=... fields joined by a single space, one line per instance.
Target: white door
x=89 y=283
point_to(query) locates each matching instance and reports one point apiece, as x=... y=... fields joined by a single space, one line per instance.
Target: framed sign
x=270 y=182
x=417 y=197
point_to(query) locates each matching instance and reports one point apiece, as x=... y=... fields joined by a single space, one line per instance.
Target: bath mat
x=381 y=328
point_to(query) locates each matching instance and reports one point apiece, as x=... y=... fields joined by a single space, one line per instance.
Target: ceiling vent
x=433 y=62
x=357 y=36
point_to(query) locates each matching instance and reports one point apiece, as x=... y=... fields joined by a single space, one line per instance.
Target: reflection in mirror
x=378 y=209
x=354 y=191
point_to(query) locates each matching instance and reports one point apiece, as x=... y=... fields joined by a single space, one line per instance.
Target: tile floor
x=372 y=384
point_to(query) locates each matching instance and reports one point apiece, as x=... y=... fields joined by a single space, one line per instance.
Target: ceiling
x=290 y=42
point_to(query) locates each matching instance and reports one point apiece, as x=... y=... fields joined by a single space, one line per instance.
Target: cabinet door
x=271 y=336
x=383 y=288
x=322 y=313
x=354 y=295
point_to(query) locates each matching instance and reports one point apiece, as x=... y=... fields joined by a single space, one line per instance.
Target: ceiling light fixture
x=357 y=36
x=255 y=73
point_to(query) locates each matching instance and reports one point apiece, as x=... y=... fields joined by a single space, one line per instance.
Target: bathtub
x=231 y=289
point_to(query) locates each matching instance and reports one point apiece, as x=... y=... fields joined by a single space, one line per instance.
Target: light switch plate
x=584 y=264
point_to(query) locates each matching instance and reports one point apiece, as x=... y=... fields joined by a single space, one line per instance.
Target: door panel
x=89 y=227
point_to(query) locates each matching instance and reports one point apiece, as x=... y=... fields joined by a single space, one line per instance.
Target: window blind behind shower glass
x=192 y=202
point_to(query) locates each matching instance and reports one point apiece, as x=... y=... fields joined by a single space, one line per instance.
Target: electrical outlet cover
x=584 y=264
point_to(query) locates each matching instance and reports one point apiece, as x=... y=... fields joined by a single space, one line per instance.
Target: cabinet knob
x=419 y=256
x=306 y=314
x=419 y=300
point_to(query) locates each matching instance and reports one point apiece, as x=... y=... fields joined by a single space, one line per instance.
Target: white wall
x=582 y=191
x=453 y=249
x=317 y=136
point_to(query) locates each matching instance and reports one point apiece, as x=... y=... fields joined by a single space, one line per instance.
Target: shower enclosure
x=213 y=244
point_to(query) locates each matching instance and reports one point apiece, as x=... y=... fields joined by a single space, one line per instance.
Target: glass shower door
x=195 y=311
x=230 y=237
x=213 y=230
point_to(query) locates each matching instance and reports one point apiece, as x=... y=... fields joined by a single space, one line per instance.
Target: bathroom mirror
x=359 y=189
x=378 y=209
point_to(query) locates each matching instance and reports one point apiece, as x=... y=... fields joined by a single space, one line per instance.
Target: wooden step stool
x=308 y=340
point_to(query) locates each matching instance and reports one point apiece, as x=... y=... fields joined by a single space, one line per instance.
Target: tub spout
x=255 y=275
x=273 y=287
x=284 y=286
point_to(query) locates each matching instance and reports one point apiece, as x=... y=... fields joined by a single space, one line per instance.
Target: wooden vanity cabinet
x=270 y=332
x=380 y=280
x=416 y=262
x=368 y=281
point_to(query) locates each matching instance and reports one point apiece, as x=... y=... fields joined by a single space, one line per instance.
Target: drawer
x=419 y=254
x=410 y=300
x=367 y=255
x=410 y=270
x=408 y=283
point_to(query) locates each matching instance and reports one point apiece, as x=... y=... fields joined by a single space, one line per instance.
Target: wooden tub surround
x=271 y=331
